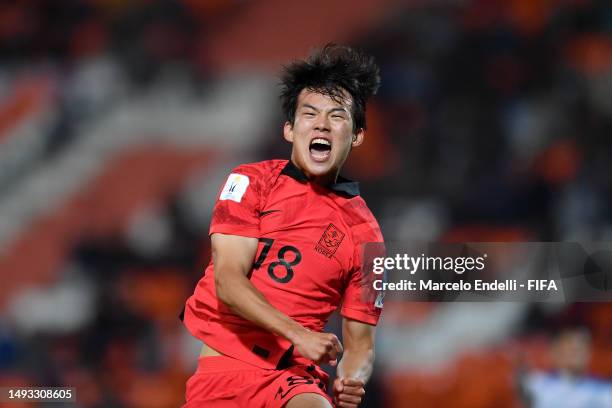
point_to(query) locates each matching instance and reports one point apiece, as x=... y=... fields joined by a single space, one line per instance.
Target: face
x=322 y=135
x=572 y=353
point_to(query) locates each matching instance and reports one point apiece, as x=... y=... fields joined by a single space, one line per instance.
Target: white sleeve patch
x=235 y=187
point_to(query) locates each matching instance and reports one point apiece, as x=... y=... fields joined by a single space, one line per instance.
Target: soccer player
x=287 y=250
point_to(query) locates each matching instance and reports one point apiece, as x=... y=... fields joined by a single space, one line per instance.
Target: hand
x=348 y=392
x=322 y=348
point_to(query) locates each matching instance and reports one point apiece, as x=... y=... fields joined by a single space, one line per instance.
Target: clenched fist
x=322 y=348
x=348 y=392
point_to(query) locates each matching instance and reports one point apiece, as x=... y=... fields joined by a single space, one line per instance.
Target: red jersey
x=309 y=258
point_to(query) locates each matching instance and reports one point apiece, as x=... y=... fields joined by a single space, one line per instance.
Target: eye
x=308 y=114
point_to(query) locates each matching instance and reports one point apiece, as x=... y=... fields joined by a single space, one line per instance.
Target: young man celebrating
x=287 y=250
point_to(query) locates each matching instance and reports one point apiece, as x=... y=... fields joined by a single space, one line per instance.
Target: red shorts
x=224 y=382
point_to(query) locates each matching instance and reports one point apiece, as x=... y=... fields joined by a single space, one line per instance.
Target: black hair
x=331 y=71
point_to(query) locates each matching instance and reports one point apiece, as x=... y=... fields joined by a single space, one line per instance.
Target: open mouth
x=320 y=149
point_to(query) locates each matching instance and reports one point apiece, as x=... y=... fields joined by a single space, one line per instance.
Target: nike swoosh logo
x=264 y=213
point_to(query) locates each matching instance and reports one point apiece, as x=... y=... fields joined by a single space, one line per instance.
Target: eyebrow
x=306 y=105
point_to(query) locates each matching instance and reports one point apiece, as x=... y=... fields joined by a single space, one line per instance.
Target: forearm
x=244 y=298
x=356 y=364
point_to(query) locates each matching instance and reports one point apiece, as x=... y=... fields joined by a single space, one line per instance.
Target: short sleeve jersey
x=308 y=262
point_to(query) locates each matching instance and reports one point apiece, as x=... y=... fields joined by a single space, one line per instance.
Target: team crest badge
x=329 y=241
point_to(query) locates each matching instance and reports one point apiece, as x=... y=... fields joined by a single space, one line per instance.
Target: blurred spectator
x=569 y=384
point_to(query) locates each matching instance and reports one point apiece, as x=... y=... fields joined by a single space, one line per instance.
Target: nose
x=322 y=124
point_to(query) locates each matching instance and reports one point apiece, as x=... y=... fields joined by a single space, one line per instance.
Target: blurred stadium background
x=119 y=120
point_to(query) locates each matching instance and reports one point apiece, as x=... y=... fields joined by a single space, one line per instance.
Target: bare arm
x=357 y=362
x=358 y=358
x=233 y=257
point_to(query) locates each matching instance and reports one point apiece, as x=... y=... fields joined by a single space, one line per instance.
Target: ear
x=288 y=132
x=358 y=138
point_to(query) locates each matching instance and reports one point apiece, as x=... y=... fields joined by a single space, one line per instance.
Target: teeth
x=321 y=141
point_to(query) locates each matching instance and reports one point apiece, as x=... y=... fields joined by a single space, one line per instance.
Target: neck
x=322 y=180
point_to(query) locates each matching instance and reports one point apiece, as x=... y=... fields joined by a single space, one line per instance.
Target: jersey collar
x=342 y=185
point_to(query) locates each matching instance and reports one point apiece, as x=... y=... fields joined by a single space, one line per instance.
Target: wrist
x=295 y=333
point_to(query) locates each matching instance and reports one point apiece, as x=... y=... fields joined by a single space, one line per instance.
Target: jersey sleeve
x=236 y=211
x=361 y=301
